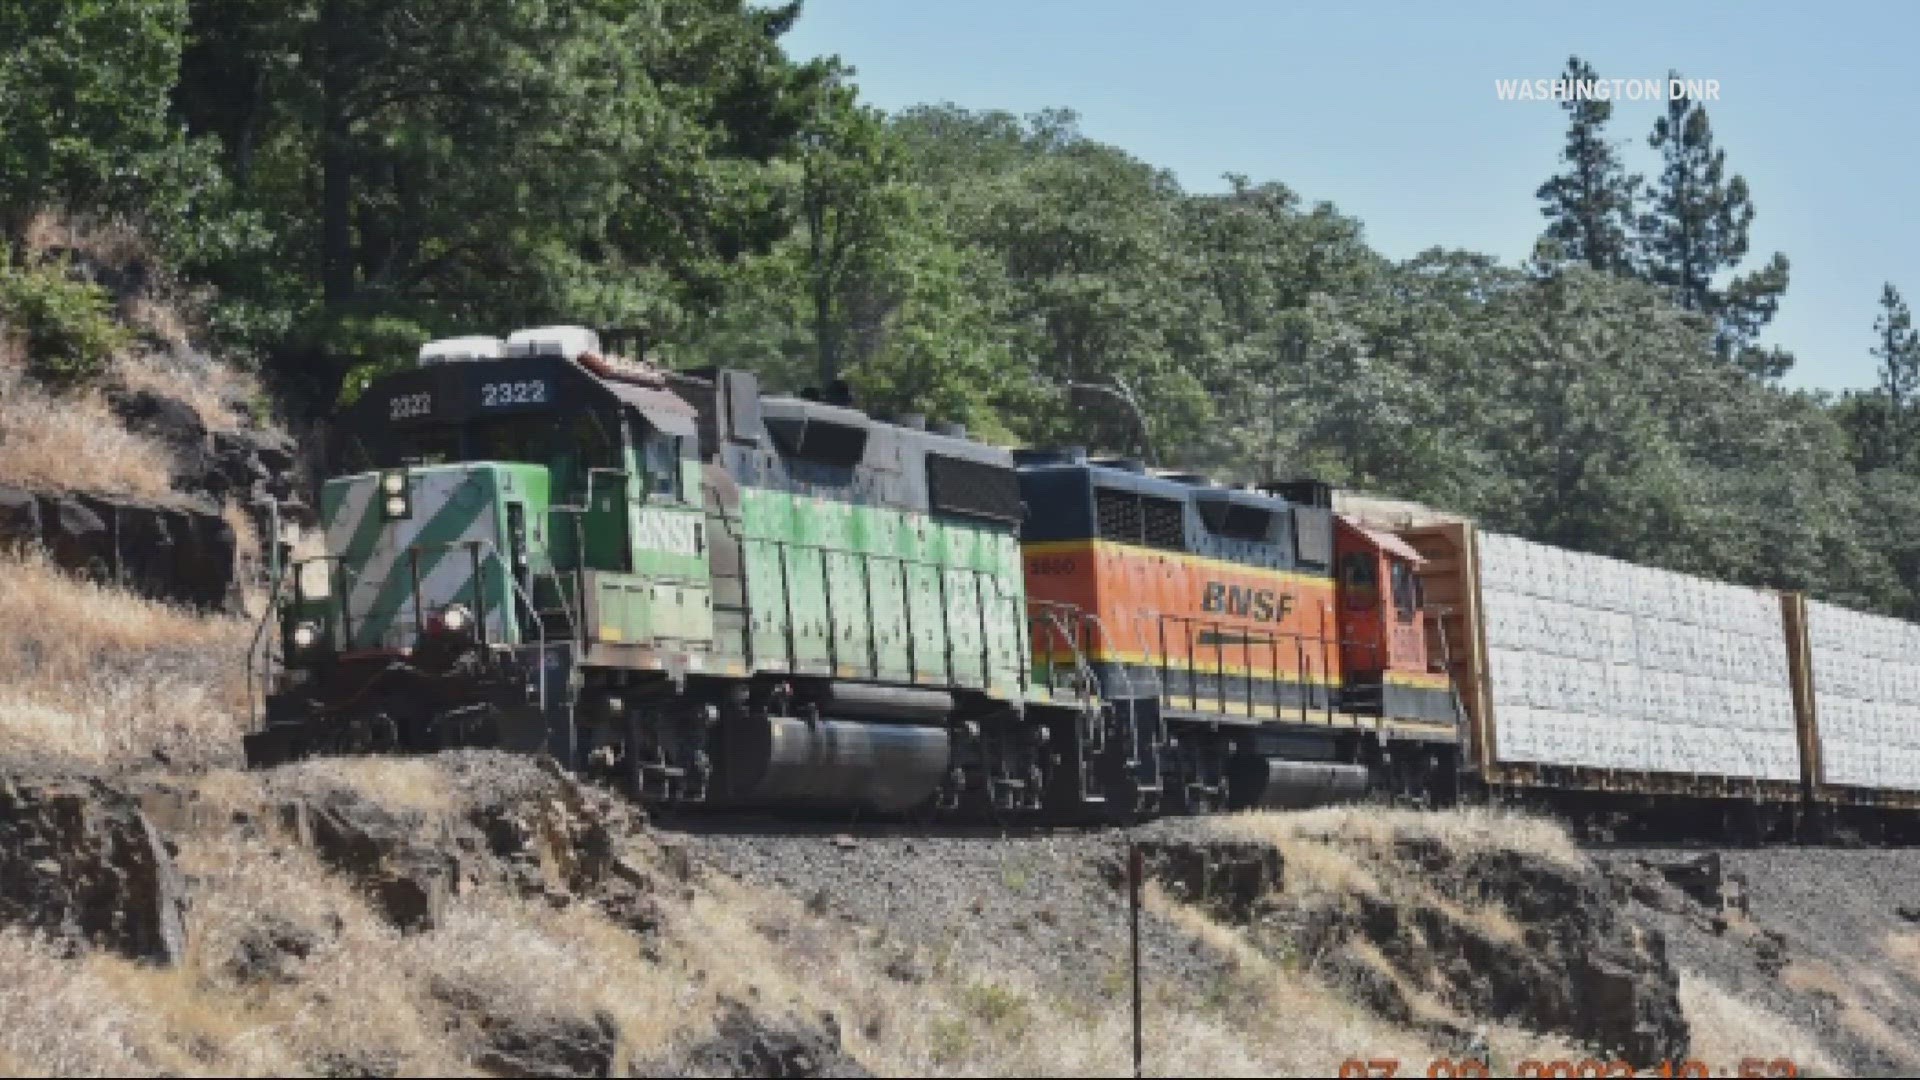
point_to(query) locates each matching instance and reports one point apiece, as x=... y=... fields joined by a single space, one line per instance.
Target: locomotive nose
x=429 y=553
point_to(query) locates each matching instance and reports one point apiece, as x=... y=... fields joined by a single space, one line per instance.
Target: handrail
x=270 y=615
x=1083 y=672
x=476 y=546
x=1324 y=646
x=1096 y=622
x=1050 y=611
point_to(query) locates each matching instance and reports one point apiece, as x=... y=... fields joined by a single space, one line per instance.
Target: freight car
x=1629 y=698
x=725 y=596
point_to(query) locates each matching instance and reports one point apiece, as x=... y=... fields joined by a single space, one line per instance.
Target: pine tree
x=1590 y=207
x=1898 y=349
x=1697 y=228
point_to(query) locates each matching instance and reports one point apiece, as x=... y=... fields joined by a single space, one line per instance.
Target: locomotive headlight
x=395 y=502
x=306 y=636
x=456 y=619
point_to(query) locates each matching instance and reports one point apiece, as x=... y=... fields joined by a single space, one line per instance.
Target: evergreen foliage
x=1697 y=230
x=350 y=177
x=66 y=326
x=1591 y=207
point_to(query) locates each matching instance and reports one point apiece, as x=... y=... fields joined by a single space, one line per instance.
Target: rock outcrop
x=182 y=551
x=246 y=466
x=1228 y=877
x=81 y=862
x=746 y=1043
x=1495 y=934
x=553 y=841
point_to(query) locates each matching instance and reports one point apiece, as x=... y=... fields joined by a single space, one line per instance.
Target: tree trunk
x=336 y=158
x=825 y=335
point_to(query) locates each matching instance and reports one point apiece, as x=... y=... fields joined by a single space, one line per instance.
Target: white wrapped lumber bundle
x=1599 y=664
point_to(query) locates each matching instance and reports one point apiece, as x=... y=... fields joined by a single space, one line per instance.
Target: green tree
x=1697 y=229
x=1885 y=420
x=850 y=195
x=84 y=90
x=450 y=163
x=1898 y=350
x=1591 y=206
x=1102 y=284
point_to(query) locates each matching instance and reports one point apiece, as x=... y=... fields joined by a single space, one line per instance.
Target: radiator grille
x=973 y=488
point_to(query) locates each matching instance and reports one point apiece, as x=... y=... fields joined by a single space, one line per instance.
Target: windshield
x=569 y=445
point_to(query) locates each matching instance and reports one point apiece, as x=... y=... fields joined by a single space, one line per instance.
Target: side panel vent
x=818 y=440
x=1118 y=514
x=973 y=488
x=1165 y=523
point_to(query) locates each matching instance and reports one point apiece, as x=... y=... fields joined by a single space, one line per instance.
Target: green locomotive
x=720 y=595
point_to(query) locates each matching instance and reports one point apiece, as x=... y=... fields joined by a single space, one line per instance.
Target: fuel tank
x=886 y=767
x=896 y=703
x=1277 y=784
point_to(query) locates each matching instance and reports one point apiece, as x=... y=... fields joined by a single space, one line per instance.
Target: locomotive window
x=416 y=446
x=1406 y=591
x=518 y=438
x=1357 y=574
x=1164 y=523
x=1359 y=571
x=660 y=462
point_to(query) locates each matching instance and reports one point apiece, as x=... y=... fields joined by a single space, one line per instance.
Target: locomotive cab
x=1383 y=619
x=504 y=508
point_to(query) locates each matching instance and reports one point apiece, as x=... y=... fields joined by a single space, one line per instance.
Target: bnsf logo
x=1046 y=564
x=1260 y=605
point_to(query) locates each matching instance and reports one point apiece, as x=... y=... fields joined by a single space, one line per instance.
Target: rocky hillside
x=481 y=913
x=163 y=911
x=128 y=452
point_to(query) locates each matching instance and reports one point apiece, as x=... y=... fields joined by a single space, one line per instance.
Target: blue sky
x=1389 y=111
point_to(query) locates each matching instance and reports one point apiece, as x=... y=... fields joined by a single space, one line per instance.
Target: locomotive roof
x=777 y=408
x=1123 y=475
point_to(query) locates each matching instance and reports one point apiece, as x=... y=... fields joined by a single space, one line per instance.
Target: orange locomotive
x=1281 y=649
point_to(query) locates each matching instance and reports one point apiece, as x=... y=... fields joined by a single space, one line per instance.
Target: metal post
x=833 y=628
x=419 y=610
x=1220 y=666
x=273 y=542
x=1135 y=871
x=480 y=592
x=906 y=594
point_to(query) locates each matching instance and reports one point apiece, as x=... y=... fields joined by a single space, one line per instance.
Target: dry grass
x=214 y=390
x=1727 y=1028
x=1318 y=1019
x=397 y=783
x=105 y=241
x=353 y=1005
x=1903 y=948
x=969 y=1018
x=1342 y=852
x=59 y=1017
x=367 y=998
x=1465 y=832
x=70 y=442
x=165 y=311
x=96 y=676
x=73 y=442
x=1849 y=1005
